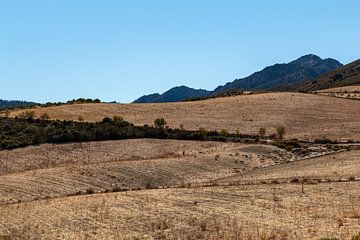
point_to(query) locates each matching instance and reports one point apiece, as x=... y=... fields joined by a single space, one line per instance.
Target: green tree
x=160 y=122
x=281 y=132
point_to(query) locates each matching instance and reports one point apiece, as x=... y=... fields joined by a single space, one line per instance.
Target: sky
x=118 y=50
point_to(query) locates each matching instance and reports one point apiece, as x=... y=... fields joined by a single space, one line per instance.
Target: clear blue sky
x=56 y=50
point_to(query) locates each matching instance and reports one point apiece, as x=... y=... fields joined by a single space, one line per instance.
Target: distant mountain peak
x=307 y=67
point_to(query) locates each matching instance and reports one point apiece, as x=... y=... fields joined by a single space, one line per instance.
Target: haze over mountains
x=286 y=74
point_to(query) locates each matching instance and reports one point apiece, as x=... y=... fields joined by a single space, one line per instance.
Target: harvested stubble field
x=150 y=166
x=304 y=116
x=44 y=202
x=335 y=167
x=241 y=212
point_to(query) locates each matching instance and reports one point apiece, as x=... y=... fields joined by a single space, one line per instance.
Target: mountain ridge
x=302 y=69
x=346 y=75
x=174 y=94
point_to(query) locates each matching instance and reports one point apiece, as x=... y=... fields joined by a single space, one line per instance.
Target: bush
x=159 y=122
x=118 y=118
x=90 y=191
x=223 y=132
x=45 y=116
x=27 y=115
x=281 y=132
x=262 y=132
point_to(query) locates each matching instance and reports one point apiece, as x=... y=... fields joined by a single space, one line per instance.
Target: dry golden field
x=304 y=116
x=171 y=189
x=237 y=212
x=210 y=191
x=152 y=165
x=349 y=92
x=349 y=89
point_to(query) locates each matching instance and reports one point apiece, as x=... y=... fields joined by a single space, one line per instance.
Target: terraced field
x=304 y=116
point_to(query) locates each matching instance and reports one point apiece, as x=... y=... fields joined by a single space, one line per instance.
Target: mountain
x=10 y=104
x=344 y=76
x=302 y=69
x=175 y=94
x=282 y=75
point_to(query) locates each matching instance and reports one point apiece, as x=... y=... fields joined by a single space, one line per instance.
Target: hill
x=286 y=74
x=14 y=103
x=305 y=116
x=304 y=68
x=175 y=94
x=344 y=76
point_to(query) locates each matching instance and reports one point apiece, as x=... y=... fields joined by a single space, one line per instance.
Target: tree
x=45 y=116
x=223 y=132
x=118 y=118
x=80 y=119
x=27 y=115
x=281 y=132
x=160 y=122
x=262 y=132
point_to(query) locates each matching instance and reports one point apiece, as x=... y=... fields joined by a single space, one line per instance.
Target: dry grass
x=245 y=212
x=61 y=155
x=38 y=184
x=199 y=165
x=349 y=92
x=344 y=165
x=348 y=89
x=303 y=115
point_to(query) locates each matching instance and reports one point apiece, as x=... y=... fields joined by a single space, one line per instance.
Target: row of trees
x=27 y=130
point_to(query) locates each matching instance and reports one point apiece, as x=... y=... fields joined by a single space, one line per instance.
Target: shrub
x=202 y=132
x=262 y=132
x=45 y=116
x=224 y=132
x=90 y=191
x=118 y=118
x=27 y=115
x=281 y=132
x=160 y=122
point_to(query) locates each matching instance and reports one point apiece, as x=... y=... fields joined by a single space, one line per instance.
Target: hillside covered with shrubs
x=20 y=132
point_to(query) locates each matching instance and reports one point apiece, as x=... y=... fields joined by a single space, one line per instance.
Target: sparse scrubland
x=250 y=179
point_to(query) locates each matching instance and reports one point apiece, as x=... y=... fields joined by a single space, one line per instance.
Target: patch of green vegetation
x=28 y=130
